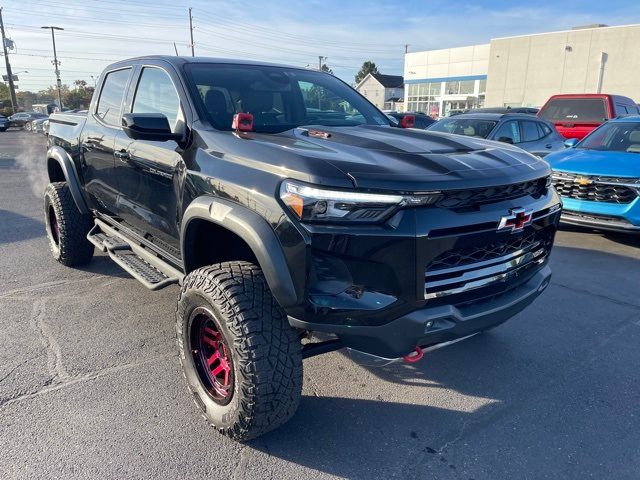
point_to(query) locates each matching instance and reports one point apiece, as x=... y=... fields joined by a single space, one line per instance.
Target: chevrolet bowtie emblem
x=582 y=181
x=516 y=220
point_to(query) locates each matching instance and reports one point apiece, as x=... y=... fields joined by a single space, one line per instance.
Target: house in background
x=385 y=91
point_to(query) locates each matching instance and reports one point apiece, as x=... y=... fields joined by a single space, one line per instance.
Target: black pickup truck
x=283 y=203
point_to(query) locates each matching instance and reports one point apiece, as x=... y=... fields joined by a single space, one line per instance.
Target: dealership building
x=524 y=71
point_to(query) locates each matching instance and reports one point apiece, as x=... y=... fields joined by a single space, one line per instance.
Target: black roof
x=389 y=81
x=179 y=61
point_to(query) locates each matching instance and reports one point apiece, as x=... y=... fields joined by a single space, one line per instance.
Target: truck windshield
x=471 y=127
x=616 y=136
x=279 y=98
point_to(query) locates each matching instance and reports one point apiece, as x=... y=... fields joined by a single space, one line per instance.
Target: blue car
x=598 y=178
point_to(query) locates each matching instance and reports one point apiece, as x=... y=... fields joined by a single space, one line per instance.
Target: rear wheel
x=27 y=126
x=66 y=227
x=241 y=358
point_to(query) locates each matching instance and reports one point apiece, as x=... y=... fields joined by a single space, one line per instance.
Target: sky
x=347 y=32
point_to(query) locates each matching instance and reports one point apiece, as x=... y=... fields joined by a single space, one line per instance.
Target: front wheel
x=66 y=227
x=241 y=358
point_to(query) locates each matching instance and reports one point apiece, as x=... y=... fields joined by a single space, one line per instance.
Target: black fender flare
x=61 y=156
x=254 y=230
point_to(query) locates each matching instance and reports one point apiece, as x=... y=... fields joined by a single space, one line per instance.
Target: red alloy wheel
x=53 y=224
x=211 y=356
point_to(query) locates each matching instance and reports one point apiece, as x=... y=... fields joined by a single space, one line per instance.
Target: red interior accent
x=243 y=122
x=408 y=121
x=414 y=356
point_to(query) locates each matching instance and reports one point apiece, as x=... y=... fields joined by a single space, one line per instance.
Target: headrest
x=469 y=131
x=634 y=137
x=215 y=101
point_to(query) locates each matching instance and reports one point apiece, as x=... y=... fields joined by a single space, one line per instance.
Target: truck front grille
x=462 y=270
x=595 y=189
x=461 y=199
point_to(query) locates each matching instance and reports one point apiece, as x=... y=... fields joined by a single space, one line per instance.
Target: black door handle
x=548 y=145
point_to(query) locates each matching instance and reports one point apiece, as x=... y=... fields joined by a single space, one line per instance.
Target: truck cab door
x=149 y=172
x=97 y=143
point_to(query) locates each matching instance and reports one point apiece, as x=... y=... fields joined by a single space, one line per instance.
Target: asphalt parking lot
x=90 y=385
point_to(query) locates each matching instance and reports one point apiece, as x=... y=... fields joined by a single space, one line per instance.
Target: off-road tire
x=265 y=350
x=68 y=242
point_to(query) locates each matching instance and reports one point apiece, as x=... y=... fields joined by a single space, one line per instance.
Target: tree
x=4 y=92
x=79 y=96
x=367 y=68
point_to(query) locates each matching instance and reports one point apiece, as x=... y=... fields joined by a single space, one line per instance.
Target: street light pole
x=56 y=63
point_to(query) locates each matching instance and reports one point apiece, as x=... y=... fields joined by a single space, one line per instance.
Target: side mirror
x=148 y=126
x=571 y=143
x=506 y=140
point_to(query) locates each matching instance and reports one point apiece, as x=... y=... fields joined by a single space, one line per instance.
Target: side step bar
x=141 y=263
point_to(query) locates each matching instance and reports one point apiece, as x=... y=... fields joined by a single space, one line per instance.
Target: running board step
x=142 y=264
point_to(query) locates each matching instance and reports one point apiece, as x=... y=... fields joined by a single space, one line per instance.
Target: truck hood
x=411 y=160
x=594 y=162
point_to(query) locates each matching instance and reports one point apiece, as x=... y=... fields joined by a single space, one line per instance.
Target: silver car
x=533 y=134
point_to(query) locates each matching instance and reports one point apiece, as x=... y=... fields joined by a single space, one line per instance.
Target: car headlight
x=314 y=204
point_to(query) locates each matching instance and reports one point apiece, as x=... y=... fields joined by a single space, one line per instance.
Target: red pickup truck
x=576 y=115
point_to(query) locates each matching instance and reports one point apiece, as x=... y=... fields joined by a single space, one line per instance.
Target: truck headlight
x=314 y=204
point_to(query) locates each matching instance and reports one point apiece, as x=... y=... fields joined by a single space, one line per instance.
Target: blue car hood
x=594 y=162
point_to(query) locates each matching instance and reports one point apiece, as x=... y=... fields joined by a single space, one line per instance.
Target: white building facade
x=524 y=71
x=439 y=81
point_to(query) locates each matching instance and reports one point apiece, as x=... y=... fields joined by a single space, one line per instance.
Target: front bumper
x=433 y=325
x=602 y=215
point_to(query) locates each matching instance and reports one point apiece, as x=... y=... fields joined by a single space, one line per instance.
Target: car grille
x=595 y=189
x=461 y=270
x=462 y=199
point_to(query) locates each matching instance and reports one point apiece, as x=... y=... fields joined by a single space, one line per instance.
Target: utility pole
x=193 y=51
x=56 y=63
x=321 y=60
x=12 y=88
x=406 y=48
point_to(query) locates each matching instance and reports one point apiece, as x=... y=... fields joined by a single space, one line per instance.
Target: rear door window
x=510 y=130
x=530 y=132
x=110 y=102
x=575 y=110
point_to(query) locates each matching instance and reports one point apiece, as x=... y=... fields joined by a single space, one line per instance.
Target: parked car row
x=36 y=122
x=592 y=142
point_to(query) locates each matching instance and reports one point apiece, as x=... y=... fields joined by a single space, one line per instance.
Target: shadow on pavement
x=16 y=228
x=493 y=377
x=374 y=438
x=628 y=239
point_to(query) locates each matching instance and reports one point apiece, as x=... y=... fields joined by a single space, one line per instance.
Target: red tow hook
x=414 y=356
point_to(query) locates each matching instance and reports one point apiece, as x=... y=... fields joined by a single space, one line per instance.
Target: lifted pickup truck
x=284 y=203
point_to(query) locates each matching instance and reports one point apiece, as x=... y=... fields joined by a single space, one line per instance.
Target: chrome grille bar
x=503 y=276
